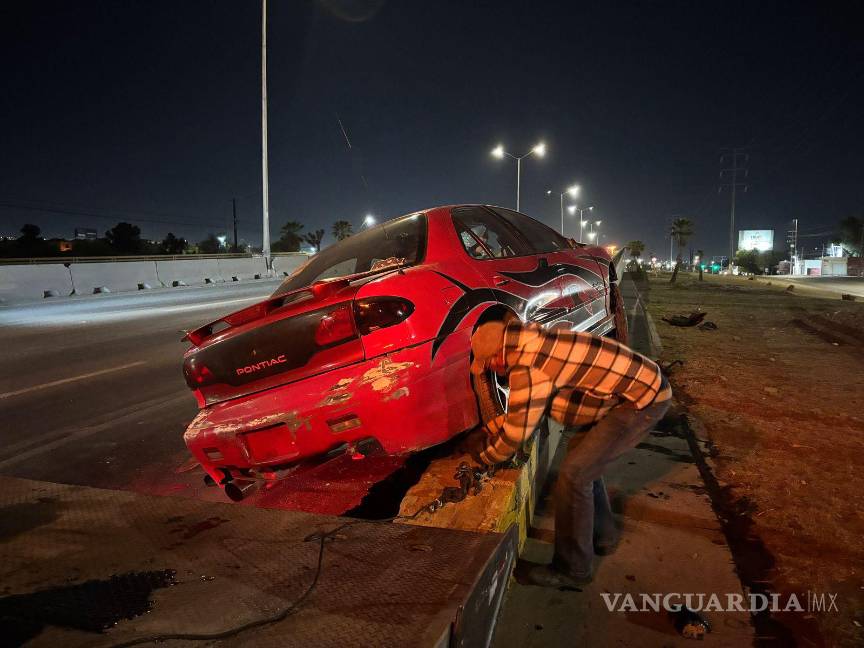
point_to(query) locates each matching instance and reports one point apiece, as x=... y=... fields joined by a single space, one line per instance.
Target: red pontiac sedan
x=367 y=347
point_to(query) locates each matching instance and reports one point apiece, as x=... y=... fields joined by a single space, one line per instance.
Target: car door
x=508 y=265
x=580 y=282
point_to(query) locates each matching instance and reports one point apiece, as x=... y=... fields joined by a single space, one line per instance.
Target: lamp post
x=265 y=172
x=498 y=152
x=592 y=234
x=571 y=191
x=582 y=222
x=368 y=221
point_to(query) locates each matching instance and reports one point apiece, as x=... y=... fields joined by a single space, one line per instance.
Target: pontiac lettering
x=264 y=364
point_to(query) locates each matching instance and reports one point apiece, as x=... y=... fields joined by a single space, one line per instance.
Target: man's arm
x=529 y=396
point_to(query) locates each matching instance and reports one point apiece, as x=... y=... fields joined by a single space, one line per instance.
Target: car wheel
x=616 y=304
x=491 y=390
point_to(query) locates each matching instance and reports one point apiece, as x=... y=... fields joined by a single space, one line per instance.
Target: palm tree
x=314 y=239
x=342 y=229
x=290 y=238
x=681 y=230
x=700 y=255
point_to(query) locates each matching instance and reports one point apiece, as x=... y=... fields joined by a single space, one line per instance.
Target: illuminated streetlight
x=571 y=191
x=498 y=152
x=594 y=234
x=582 y=222
x=369 y=221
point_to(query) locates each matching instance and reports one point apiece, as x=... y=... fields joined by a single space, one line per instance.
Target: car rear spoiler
x=249 y=314
x=319 y=290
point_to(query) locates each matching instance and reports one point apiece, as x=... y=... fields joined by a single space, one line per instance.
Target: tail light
x=197 y=374
x=336 y=326
x=380 y=312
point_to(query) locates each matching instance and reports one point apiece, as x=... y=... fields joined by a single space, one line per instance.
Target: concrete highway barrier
x=45 y=278
x=285 y=265
x=242 y=268
x=116 y=277
x=191 y=272
x=31 y=282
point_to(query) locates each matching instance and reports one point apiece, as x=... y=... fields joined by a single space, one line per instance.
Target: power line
x=72 y=211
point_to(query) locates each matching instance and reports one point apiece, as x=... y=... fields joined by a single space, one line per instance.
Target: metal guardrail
x=139 y=257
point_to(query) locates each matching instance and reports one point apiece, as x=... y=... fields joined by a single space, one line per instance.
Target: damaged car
x=366 y=347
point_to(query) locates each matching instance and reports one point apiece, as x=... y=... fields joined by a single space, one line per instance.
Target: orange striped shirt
x=576 y=377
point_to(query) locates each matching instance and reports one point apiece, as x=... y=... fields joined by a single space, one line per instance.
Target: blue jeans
x=583 y=516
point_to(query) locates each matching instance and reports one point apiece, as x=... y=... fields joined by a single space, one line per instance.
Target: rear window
x=539 y=236
x=400 y=241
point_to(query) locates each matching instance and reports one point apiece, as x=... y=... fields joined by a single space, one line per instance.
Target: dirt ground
x=778 y=389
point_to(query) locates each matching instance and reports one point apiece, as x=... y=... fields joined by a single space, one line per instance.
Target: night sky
x=150 y=112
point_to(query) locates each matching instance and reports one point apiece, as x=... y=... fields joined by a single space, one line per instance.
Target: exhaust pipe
x=238 y=490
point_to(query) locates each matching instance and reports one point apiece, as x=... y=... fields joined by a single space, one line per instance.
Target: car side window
x=471 y=241
x=484 y=236
x=542 y=238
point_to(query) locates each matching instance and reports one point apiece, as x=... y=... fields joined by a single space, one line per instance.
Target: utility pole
x=792 y=239
x=265 y=239
x=736 y=154
x=234 y=210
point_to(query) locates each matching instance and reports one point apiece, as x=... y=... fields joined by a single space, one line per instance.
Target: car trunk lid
x=273 y=342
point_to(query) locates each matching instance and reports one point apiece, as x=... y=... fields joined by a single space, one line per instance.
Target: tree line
x=122 y=239
x=849 y=234
x=292 y=236
x=125 y=239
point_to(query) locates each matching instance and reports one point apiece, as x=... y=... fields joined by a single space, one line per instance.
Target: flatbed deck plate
x=380 y=584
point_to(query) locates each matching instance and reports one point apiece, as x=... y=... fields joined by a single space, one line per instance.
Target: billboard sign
x=761 y=240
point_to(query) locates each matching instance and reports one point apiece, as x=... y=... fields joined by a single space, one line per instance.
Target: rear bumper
x=402 y=400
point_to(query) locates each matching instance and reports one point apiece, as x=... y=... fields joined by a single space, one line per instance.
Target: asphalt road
x=839 y=285
x=92 y=393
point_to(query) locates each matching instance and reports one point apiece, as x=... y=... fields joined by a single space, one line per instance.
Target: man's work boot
x=606 y=547
x=528 y=573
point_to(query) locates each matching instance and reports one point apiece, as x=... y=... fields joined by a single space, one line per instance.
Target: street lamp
x=498 y=152
x=572 y=191
x=592 y=234
x=369 y=221
x=265 y=169
x=582 y=222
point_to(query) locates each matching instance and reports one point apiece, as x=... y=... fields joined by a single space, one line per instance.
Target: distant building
x=86 y=234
